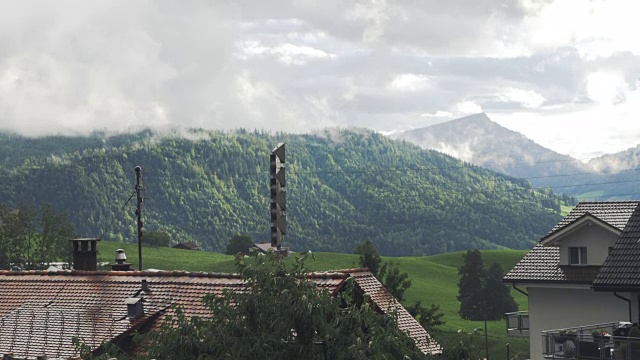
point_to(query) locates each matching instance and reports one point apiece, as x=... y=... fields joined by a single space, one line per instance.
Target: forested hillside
x=342 y=187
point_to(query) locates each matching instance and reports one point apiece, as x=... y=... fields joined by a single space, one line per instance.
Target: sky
x=564 y=73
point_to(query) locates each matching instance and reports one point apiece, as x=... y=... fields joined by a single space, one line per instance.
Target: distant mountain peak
x=477 y=139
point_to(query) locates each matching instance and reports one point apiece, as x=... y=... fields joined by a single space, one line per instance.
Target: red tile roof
x=40 y=312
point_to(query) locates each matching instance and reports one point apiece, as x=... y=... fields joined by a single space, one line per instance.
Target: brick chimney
x=85 y=254
x=120 y=264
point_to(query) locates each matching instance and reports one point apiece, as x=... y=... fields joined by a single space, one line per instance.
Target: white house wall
x=594 y=237
x=556 y=308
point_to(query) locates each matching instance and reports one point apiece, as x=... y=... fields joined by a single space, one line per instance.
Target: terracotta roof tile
x=387 y=304
x=40 y=312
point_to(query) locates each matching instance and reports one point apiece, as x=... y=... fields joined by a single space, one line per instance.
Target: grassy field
x=434 y=280
x=565 y=210
x=590 y=196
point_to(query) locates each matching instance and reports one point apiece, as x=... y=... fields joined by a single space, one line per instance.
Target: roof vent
x=85 y=254
x=135 y=307
x=120 y=264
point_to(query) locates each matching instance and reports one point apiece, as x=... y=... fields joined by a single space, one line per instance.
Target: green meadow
x=434 y=280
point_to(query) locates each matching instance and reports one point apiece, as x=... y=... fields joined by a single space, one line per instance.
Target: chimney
x=85 y=254
x=120 y=264
x=135 y=307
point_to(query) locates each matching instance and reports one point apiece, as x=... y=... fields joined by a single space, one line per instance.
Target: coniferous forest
x=343 y=186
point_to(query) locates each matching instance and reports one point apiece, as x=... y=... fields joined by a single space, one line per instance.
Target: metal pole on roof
x=138 y=170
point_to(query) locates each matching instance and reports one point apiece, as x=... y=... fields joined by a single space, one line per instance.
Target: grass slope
x=434 y=280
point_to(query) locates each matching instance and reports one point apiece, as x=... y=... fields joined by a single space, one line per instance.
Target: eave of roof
x=616 y=213
x=587 y=219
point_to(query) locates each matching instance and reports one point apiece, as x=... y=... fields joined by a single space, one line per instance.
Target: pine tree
x=471 y=285
x=482 y=292
x=369 y=257
x=497 y=295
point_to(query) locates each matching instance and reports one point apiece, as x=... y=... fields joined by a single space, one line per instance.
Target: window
x=577 y=256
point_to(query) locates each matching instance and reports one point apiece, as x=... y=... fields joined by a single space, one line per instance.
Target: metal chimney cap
x=120 y=256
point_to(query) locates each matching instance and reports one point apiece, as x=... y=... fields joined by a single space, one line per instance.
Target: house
x=579 y=277
x=261 y=248
x=187 y=246
x=41 y=311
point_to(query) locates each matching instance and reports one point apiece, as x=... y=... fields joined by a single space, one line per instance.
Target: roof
x=615 y=213
x=264 y=247
x=187 y=245
x=41 y=312
x=542 y=263
x=385 y=302
x=620 y=270
x=587 y=219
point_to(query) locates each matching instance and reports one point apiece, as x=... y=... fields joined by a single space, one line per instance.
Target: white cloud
x=583 y=132
x=467 y=108
x=408 y=82
x=528 y=98
x=561 y=71
x=595 y=28
x=298 y=55
x=288 y=54
x=374 y=13
x=606 y=87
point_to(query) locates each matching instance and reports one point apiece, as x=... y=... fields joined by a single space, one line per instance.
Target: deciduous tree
x=282 y=316
x=239 y=243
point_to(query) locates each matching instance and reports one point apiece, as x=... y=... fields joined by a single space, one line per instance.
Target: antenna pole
x=139 y=214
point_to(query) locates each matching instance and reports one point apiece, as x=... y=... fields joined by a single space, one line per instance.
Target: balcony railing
x=517 y=323
x=591 y=342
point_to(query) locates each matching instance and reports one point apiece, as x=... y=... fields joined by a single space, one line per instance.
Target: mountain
x=617 y=175
x=478 y=140
x=342 y=187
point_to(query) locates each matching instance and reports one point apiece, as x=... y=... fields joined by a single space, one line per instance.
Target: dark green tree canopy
x=369 y=257
x=239 y=243
x=156 y=238
x=497 y=294
x=482 y=294
x=471 y=286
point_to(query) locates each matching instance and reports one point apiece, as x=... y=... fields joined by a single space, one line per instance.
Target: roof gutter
x=527 y=295
x=615 y=293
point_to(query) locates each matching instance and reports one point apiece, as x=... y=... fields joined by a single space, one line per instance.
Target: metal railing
x=517 y=323
x=590 y=342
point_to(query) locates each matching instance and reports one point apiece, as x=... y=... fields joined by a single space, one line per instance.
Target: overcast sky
x=564 y=73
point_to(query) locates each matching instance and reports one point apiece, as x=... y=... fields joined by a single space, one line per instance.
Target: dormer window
x=577 y=256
